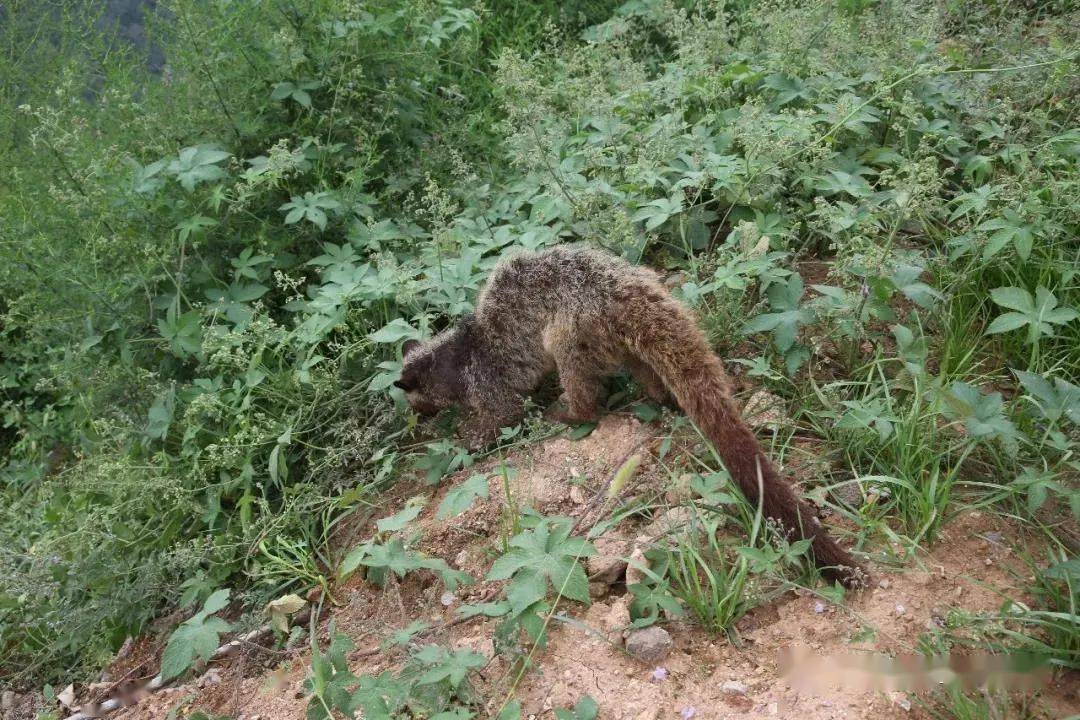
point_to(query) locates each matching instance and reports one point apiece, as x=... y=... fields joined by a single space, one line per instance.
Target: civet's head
x=432 y=373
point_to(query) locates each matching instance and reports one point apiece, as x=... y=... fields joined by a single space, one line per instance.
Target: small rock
x=900 y=610
x=819 y=607
x=672 y=522
x=634 y=573
x=608 y=564
x=773 y=708
x=650 y=645
x=900 y=700
x=461 y=558
x=884 y=584
x=733 y=687
x=577 y=495
x=764 y=410
x=447 y=598
x=618 y=617
x=994 y=537
x=675 y=280
x=988 y=562
x=210 y=677
x=67 y=696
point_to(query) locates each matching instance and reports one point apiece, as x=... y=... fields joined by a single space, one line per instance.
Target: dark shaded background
x=127 y=18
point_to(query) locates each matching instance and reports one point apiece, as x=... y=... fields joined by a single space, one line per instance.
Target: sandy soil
x=704 y=676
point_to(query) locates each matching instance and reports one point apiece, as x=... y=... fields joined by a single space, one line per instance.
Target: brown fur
x=586 y=314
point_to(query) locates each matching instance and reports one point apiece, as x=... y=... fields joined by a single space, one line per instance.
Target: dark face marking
x=432 y=374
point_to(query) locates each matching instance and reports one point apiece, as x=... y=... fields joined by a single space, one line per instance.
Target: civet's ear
x=409 y=346
x=401 y=386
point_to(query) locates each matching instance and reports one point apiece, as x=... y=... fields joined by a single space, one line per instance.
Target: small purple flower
x=688 y=712
x=659 y=673
x=819 y=607
x=864 y=290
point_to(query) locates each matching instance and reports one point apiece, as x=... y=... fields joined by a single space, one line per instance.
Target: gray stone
x=650 y=645
x=733 y=687
x=7 y=700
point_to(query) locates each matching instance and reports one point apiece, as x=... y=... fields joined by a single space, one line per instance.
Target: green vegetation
x=206 y=276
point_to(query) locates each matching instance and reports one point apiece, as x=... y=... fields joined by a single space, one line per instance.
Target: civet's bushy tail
x=663 y=334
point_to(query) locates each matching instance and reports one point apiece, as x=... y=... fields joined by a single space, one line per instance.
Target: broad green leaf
x=546 y=552
x=511 y=711
x=1005 y=323
x=460 y=498
x=585 y=709
x=452 y=667
x=395 y=331
x=1054 y=401
x=400 y=520
x=217 y=601
x=1013 y=298
x=195 y=639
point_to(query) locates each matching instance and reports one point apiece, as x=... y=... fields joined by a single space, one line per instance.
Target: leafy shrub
x=205 y=276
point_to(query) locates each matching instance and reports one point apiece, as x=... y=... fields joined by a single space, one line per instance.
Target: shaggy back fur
x=586 y=314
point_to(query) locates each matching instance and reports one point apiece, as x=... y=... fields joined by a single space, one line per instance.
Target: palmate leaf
x=449 y=666
x=460 y=498
x=1053 y=401
x=1039 y=314
x=982 y=415
x=182 y=331
x=195 y=639
x=198 y=164
x=194 y=226
x=233 y=300
x=296 y=91
x=545 y=554
x=311 y=207
x=838 y=181
x=402 y=519
x=912 y=350
x=906 y=280
x=1011 y=227
x=788 y=88
x=868 y=414
x=972 y=202
x=788 y=316
x=1037 y=485
x=392 y=556
x=657 y=212
x=379 y=697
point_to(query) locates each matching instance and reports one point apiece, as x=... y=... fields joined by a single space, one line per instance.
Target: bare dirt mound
x=702 y=676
